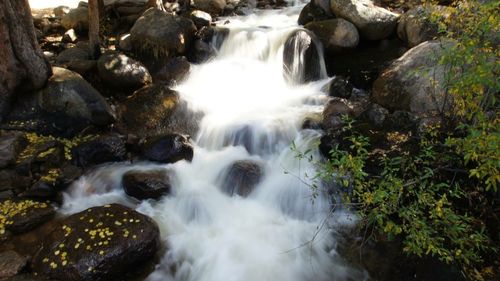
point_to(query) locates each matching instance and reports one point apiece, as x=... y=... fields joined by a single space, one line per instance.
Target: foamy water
x=282 y=231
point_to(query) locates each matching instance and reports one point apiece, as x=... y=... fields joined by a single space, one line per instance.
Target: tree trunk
x=158 y=4
x=95 y=48
x=23 y=67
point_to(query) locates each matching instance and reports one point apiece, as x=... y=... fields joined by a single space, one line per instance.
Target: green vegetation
x=435 y=191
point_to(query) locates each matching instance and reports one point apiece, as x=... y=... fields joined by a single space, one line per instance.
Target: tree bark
x=158 y=4
x=95 y=47
x=23 y=67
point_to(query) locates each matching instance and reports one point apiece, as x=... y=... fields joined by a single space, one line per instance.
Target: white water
x=277 y=233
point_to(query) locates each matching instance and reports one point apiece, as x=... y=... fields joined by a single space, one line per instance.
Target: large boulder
x=100 y=243
x=72 y=101
x=77 y=19
x=23 y=215
x=415 y=82
x=241 y=177
x=312 y=12
x=122 y=72
x=151 y=184
x=335 y=34
x=173 y=72
x=155 y=109
x=420 y=24
x=373 y=22
x=302 y=61
x=107 y=148
x=168 y=148
x=158 y=34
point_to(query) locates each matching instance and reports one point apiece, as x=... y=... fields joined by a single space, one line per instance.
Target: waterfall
x=284 y=230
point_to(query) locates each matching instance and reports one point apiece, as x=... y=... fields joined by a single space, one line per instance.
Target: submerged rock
x=241 y=177
x=374 y=23
x=158 y=34
x=335 y=34
x=151 y=184
x=415 y=82
x=168 y=148
x=122 y=72
x=100 y=243
x=107 y=148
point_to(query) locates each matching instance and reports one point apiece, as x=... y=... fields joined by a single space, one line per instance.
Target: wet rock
x=241 y=177
x=340 y=87
x=158 y=34
x=122 y=72
x=11 y=263
x=376 y=115
x=73 y=102
x=167 y=148
x=41 y=190
x=125 y=43
x=335 y=34
x=420 y=23
x=107 y=148
x=415 y=82
x=77 y=19
x=213 y=7
x=100 y=243
x=333 y=113
x=11 y=144
x=173 y=72
x=200 y=52
x=200 y=18
x=155 y=109
x=306 y=66
x=81 y=67
x=311 y=12
x=72 y=54
x=146 y=184
x=374 y=23
x=23 y=215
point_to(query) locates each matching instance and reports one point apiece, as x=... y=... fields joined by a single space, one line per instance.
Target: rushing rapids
x=253 y=110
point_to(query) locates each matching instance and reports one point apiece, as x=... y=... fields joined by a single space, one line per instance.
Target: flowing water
x=285 y=230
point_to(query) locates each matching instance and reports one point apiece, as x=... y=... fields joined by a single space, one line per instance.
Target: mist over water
x=281 y=231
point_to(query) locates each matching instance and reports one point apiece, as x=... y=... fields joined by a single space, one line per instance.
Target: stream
x=284 y=230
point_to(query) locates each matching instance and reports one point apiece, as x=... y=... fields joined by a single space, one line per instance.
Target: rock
x=213 y=7
x=23 y=215
x=340 y=87
x=333 y=112
x=41 y=190
x=401 y=120
x=173 y=72
x=376 y=115
x=420 y=24
x=312 y=12
x=122 y=72
x=415 y=82
x=156 y=109
x=26 y=277
x=71 y=54
x=241 y=177
x=307 y=65
x=200 y=18
x=200 y=52
x=77 y=19
x=60 y=11
x=158 y=34
x=11 y=144
x=146 y=184
x=100 y=243
x=167 y=148
x=73 y=102
x=374 y=23
x=125 y=43
x=11 y=263
x=69 y=36
x=335 y=34
x=81 y=67
x=107 y=148
x=11 y=180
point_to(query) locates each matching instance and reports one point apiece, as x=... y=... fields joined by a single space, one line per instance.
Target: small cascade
x=283 y=230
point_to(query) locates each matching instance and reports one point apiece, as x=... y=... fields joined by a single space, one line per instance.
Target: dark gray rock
x=307 y=65
x=121 y=72
x=11 y=144
x=167 y=148
x=241 y=177
x=107 y=148
x=142 y=185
